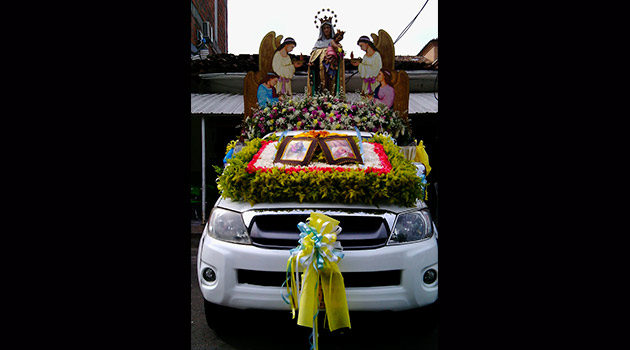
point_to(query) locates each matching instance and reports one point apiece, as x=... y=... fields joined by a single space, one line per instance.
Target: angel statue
x=269 y=46
x=369 y=66
x=380 y=54
x=284 y=67
x=320 y=75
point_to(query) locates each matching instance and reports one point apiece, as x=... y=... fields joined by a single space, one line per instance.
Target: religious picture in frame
x=296 y=150
x=340 y=150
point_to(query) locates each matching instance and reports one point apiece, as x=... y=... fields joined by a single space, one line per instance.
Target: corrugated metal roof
x=423 y=102
x=420 y=102
x=216 y=103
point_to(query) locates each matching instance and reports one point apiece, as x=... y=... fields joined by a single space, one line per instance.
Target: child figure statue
x=333 y=54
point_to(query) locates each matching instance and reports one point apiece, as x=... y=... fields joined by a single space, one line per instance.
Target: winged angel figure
x=268 y=46
x=400 y=80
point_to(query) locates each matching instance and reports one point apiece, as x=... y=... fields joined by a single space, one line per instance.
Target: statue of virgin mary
x=318 y=81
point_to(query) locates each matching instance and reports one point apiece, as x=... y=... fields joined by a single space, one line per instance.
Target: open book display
x=337 y=149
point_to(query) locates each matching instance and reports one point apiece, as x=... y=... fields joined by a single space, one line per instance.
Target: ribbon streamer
x=360 y=141
x=284 y=133
x=317 y=255
x=284 y=81
x=369 y=82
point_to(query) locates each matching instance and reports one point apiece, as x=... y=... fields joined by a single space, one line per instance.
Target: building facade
x=430 y=51
x=209 y=18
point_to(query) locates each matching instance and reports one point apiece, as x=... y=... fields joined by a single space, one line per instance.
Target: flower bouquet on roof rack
x=324 y=112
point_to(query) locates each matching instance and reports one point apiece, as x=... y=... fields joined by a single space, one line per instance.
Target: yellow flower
x=284 y=110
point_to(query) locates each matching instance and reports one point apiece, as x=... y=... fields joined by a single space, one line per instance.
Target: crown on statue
x=325 y=18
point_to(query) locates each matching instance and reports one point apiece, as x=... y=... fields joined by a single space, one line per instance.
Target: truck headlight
x=412 y=226
x=227 y=226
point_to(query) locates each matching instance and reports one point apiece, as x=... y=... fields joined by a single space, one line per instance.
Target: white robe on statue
x=368 y=69
x=285 y=69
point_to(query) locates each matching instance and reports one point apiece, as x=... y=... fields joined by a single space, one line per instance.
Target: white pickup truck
x=390 y=262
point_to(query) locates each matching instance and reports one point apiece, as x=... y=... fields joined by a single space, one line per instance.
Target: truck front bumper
x=226 y=259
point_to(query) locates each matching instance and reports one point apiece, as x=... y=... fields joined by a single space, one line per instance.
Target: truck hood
x=242 y=207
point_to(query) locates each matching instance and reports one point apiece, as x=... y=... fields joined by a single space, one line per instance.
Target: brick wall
x=205 y=11
x=222 y=25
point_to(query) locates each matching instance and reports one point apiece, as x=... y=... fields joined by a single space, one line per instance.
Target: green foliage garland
x=401 y=186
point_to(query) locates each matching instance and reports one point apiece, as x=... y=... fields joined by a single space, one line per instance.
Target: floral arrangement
x=393 y=181
x=324 y=111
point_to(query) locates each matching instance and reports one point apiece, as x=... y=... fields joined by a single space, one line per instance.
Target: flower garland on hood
x=396 y=183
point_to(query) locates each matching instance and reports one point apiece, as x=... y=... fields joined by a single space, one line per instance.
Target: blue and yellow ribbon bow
x=317 y=256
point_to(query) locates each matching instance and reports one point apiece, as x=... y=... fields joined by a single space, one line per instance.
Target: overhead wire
x=404 y=31
x=410 y=23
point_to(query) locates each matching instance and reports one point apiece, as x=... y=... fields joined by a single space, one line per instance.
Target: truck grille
x=280 y=231
x=350 y=279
